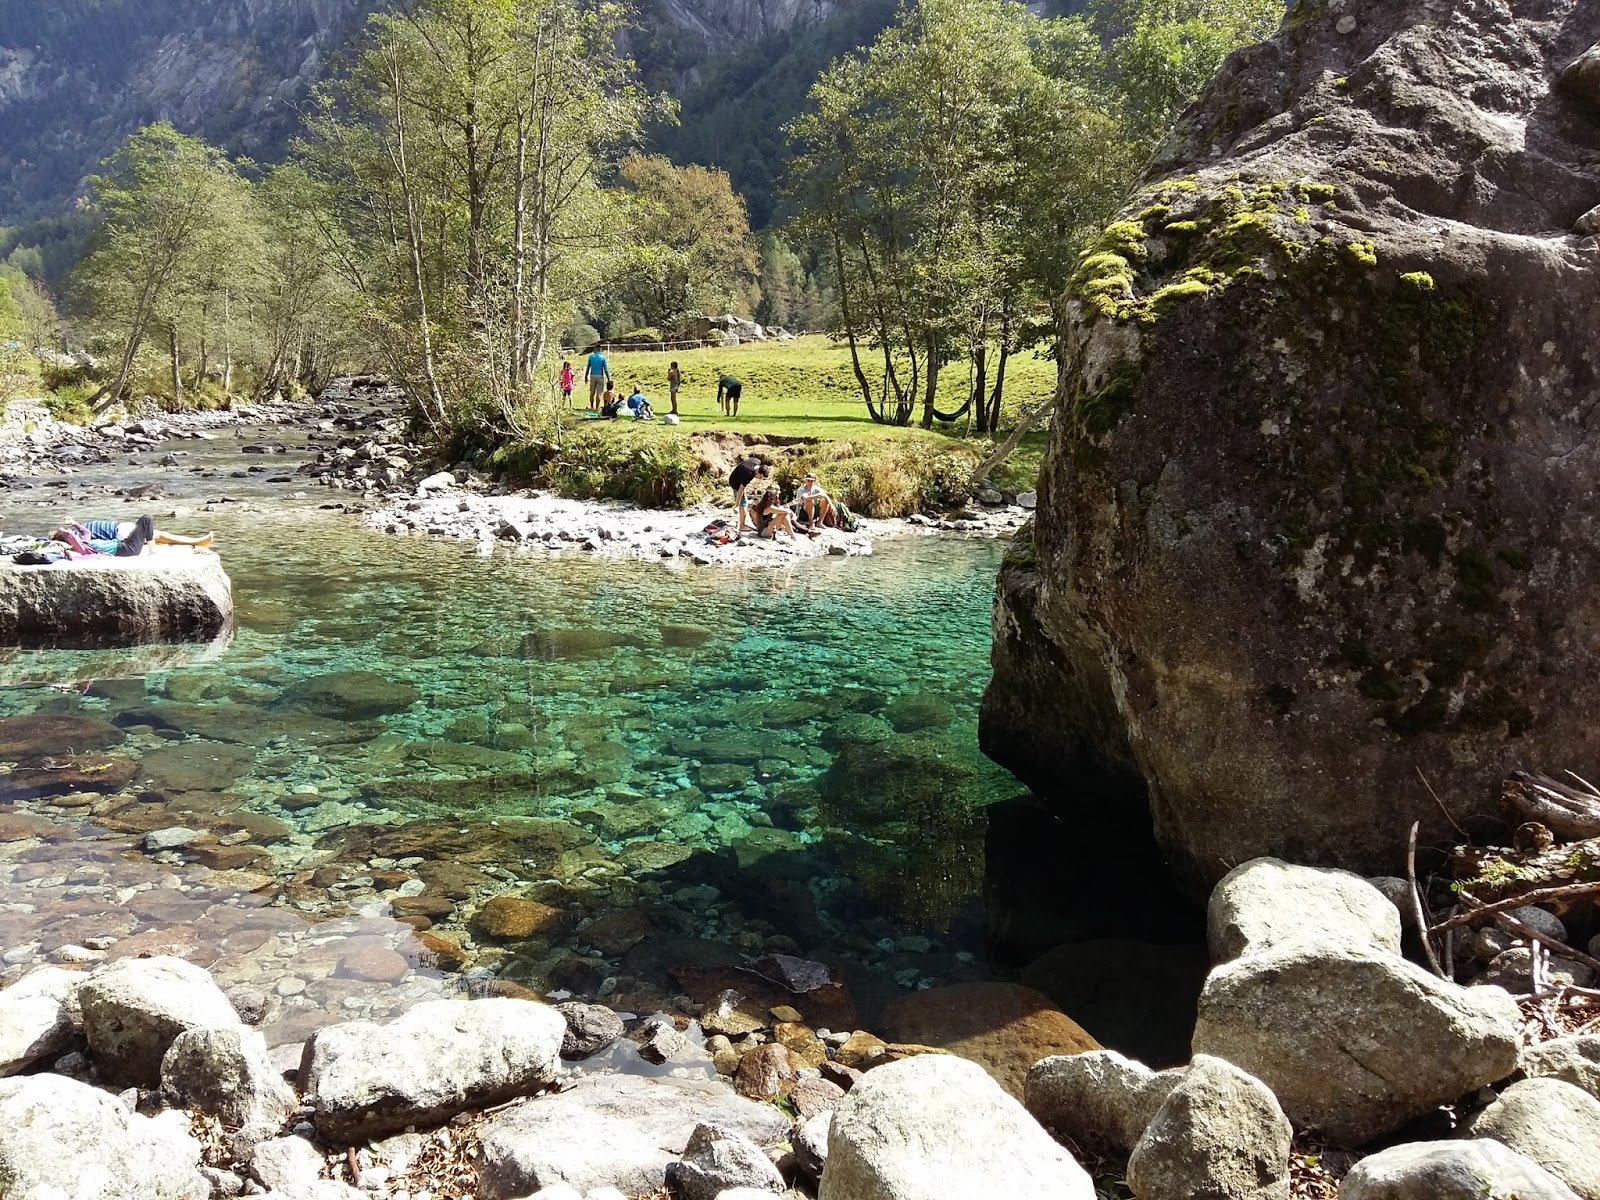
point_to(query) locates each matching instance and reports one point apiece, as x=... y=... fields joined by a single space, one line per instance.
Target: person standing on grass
x=674 y=378
x=746 y=473
x=566 y=382
x=597 y=374
x=728 y=389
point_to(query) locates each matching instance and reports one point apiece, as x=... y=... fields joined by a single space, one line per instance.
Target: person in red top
x=567 y=381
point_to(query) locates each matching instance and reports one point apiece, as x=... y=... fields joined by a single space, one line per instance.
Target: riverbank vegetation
x=473 y=196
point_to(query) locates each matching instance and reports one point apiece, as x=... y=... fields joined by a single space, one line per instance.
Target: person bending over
x=125 y=539
x=815 y=503
x=728 y=389
x=771 y=517
x=746 y=473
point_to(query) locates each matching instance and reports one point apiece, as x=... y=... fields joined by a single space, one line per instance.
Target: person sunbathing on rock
x=124 y=539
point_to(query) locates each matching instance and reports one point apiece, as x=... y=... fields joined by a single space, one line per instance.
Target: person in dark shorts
x=728 y=389
x=125 y=539
x=746 y=473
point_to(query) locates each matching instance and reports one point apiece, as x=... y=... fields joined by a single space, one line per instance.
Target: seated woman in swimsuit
x=125 y=539
x=771 y=517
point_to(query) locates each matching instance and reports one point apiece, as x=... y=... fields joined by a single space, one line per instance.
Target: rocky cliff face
x=1319 y=514
x=76 y=78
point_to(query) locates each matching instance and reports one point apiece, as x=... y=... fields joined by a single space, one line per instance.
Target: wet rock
x=515 y=919
x=798 y=975
x=22 y=738
x=1219 y=1133
x=1552 y=1122
x=170 y=838
x=717 y=1159
x=1004 y=1027
x=134 y=1009
x=113 y=1153
x=662 y=1042
x=375 y=964
x=1574 y=1059
x=618 y=931
x=350 y=695
x=1458 y=1170
x=441 y=1058
x=811 y=1096
x=805 y=1048
x=1267 y=901
x=919 y=711
x=116 y=601
x=1392 y=1041
x=196 y=766
x=940 y=1126
x=226 y=1072
x=590 y=1029
x=616 y=1131
x=36 y=1017
x=765 y=1072
x=61 y=776
x=578 y=645
x=1097 y=1099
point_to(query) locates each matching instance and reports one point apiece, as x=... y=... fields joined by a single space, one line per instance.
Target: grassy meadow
x=802 y=389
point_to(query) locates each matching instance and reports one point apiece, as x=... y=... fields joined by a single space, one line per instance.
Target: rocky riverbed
x=142 y=1077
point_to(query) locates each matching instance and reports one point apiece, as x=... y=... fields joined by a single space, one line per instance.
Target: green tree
x=169 y=203
x=693 y=252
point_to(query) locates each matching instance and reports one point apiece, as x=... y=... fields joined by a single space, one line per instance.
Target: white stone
x=36 y=1017
x=1575 y=1059
x=1266 y=902
x=170 y=838
x=1096 y=1098
x=134 y=1008
x=1552 y=1122
x=225 y=1072
x=716 y=1160
x=64 y=1140
x=936 y=1126
x=1456 y=1170
x=1355 y=1043
x=441 y=1058
x=285 y=1163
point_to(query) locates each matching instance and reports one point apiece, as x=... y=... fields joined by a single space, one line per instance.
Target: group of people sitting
x=603 y=400
x=762 y=511
x=93 y=538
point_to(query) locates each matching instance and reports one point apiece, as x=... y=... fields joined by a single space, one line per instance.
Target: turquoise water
x=673 y=758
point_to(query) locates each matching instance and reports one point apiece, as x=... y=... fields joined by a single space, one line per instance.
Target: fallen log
x=1496 y=873
x=1570 y=814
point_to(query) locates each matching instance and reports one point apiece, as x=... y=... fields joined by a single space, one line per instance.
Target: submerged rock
x=350 y=695
x=1305 y=525
x=116 y=601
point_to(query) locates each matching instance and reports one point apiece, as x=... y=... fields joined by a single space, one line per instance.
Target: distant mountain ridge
x=76 y=76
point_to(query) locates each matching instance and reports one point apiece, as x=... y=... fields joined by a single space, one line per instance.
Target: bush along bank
x=1323 y=1059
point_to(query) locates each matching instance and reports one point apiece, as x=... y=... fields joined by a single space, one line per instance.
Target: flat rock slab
x=618 y=1131
x=157 y=597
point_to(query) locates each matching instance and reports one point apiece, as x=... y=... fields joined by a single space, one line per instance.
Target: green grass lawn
x=802 y=388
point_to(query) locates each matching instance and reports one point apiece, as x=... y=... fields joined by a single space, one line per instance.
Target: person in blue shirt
x=597 y=373
x=639 y=406
x=125 y=539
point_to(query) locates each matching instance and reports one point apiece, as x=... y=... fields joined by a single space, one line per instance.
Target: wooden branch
x=1537 y=896
x=1416 y=904
x=1573 y=816
x=1511 y=925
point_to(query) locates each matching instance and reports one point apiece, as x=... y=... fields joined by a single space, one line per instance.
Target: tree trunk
x=932 y=387
x=227 y=347
x=177 y=372
x=999 y=388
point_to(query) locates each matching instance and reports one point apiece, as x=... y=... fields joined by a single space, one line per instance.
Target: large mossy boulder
x=1317 y=512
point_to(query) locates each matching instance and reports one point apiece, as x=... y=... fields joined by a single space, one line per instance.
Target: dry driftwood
x=1476 y=908
x=1565 y=896
x=1572 y=814
x=1500 y=873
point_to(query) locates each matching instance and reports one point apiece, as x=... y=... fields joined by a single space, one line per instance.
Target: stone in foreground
x=1220 y=1135
x=620 y=1131
x=1098 y=1099
x=36 y=1017
x=1575 y=1059
x=225 y=1072
x=937 y=1127
x=439 y=1059
x=1267 y=901
x=718 y=1160
x=64 y=1140
x=1459 y=1170
x=159 y=597
x=1552 y=1122
x=135 y=1008
x=1355 y=1044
